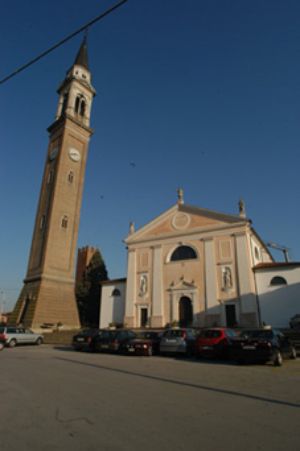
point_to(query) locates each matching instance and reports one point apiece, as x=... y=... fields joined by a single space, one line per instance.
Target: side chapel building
x=193 y=266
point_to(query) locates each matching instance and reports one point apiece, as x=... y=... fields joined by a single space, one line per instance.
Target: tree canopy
x=88 y=291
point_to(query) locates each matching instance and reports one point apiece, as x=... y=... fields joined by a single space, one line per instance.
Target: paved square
x=59 y=399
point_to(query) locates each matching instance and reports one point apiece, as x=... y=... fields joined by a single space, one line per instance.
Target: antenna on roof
x=279 y=247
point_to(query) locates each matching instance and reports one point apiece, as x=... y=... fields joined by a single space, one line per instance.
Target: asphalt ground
x=53 y=398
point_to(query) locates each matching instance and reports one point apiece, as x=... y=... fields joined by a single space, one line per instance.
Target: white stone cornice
x=130 y=250
x=189 y=235
x=241 y=233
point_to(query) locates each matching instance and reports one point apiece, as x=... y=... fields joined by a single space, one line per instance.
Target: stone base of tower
x=46 y=301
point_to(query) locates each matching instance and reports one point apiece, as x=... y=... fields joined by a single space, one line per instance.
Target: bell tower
x=48 y=294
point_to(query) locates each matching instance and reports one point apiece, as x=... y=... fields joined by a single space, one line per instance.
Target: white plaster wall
x=278 y=303
x=112 y=307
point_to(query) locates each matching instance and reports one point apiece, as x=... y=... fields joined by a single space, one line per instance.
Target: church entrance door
x=185 y=312
x=144 y=317
x=230 y=315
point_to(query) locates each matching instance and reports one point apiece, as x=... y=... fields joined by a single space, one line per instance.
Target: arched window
x=278 y=280
x=42 y=222
x=80 y=105
x=65 y=103
x=183 y=253
x=50 y=177
x=64 y=222
x=82 y=108
x=71 y=177
x=77 y=101
x=116 y=292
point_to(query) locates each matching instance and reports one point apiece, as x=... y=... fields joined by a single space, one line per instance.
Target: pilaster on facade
x=248 y=304
x=157 y=283
x=131 y=287
x=210 y=275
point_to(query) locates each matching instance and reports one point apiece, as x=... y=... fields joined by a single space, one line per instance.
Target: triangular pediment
x=183 y=285
x=183 y=219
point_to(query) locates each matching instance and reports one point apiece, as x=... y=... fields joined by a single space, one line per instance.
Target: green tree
x=88 y=291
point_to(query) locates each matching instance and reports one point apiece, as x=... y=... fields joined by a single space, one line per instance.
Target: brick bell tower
x=48 y=294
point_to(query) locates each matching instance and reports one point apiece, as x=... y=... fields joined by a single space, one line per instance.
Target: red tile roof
x=273 y=265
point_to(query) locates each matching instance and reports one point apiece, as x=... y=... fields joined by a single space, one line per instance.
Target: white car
x=11 y=336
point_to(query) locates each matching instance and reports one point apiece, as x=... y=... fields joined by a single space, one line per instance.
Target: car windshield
x=89 y=332
x=267 y=334
x=211 y=333
x=108 y=334
x=2 y=330
x=175 y=333
x=147 y=335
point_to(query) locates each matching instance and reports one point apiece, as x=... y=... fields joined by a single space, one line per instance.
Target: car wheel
x=189 y=352
x=12 y=343
x=293 y=353
x=277 y=359
x=150 y=352
x=1 y=346
x=39 y=341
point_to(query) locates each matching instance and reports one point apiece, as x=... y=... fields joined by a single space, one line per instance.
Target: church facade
x=189 y=266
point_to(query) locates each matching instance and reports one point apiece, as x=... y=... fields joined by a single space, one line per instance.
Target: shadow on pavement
x=64 y=348
x=185 y=384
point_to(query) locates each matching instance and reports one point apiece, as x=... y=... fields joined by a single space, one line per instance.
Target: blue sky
x=202 y=94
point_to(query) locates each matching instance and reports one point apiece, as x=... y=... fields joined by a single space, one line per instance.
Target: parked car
x=262 y=345
x=136 y=346
x=85 y=339
x=214 y=342
x=122 y=341
x=178 y=341
x=153 y=336
x=12 y=336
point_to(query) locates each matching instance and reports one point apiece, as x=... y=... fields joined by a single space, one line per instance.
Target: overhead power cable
x=70 y=36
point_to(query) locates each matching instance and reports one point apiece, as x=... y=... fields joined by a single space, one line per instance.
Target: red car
x=214 y=342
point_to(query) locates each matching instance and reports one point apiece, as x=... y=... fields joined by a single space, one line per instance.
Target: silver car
x=178 y=341
x=11 y=336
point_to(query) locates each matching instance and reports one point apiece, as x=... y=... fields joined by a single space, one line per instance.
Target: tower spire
x=82 y=55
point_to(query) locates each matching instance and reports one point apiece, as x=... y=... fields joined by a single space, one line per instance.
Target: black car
x=153 y=337
x=122 y=342
x=84 y=340
x=261 y=346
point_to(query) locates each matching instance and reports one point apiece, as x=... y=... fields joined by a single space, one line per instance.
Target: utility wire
x=46 y=52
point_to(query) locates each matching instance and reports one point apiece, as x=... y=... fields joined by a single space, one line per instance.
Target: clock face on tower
x=74 y=154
